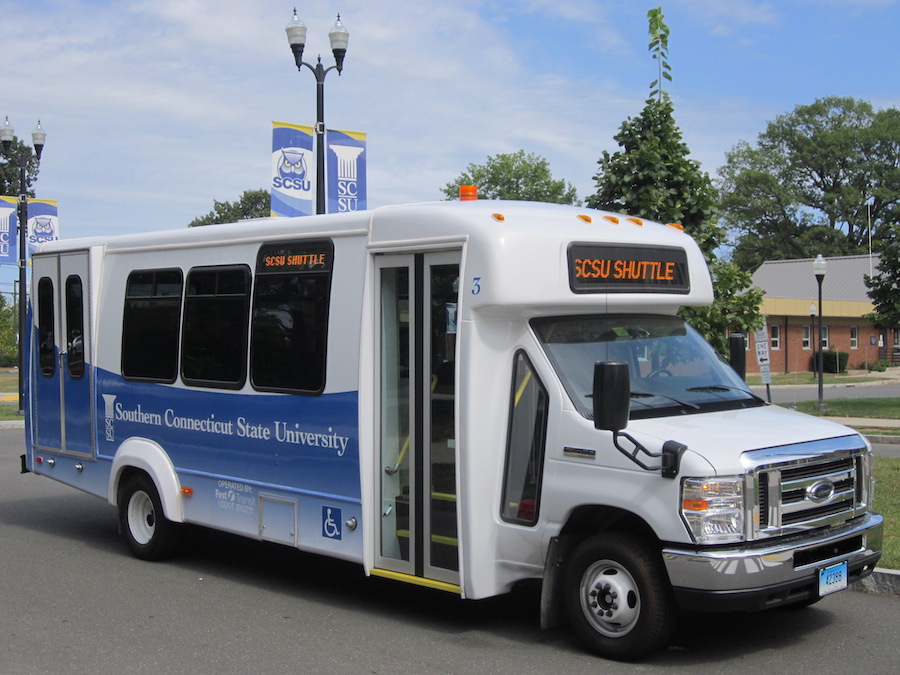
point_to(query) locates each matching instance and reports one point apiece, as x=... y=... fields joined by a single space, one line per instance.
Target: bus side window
x=525 y=445
x=150 y=325
x=289 y=330
x=75 y=326
x=214 y=339
x=46 y=343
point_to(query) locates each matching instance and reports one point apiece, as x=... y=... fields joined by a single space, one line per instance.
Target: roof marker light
x=677 y=226
x=612 y=219
x=585 y=218
x=636 y=221
x=468 y=193
x=499 y=217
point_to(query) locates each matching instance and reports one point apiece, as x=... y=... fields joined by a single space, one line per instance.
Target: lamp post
x=339 y=37
x=819 y=266
x=38 y=136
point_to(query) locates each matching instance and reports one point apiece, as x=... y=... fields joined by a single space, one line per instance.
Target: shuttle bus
x=460 y=395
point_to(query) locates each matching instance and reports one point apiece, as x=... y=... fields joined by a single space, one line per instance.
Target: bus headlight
x=713 y=508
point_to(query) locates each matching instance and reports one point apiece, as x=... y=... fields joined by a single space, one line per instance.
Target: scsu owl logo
x=292 y=170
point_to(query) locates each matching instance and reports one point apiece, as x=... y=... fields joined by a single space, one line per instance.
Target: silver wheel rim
x=610 y=598
x=141 y=517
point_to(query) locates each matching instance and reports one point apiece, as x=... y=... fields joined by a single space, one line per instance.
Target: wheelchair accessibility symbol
x=331 y=522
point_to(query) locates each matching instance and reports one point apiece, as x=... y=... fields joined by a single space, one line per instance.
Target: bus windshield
x=672 y=369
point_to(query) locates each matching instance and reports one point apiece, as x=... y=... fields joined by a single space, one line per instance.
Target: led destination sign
x=295 y=256
x=627 y=268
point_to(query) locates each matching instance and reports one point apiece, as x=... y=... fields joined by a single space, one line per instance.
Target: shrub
x=834 y=362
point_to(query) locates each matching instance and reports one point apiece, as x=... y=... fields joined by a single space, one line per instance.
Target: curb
x=880 y=582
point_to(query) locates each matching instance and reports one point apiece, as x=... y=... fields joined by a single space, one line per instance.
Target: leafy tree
x=659 y=48
x=251 y=204
x=884 y=287
x=652 y=177
x=514 y=175
x=9 y=322
x=811 y=182
x=9 y=169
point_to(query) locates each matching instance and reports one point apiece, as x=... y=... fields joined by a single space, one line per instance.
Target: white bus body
x=414 y=388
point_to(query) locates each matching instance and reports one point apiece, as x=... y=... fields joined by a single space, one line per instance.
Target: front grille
x=822 y=484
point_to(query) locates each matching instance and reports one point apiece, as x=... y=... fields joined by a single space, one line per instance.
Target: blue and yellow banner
x=43 y=226
x=346 y=168
x=293 y=170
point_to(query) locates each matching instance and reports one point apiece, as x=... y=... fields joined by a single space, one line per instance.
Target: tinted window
x=150 y=325
x=216 y=313
x=290 y=316
x=46 y=344
x=525 y=445
x=75 y=326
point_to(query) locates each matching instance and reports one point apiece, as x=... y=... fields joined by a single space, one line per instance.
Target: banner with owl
x=43 y=226
x=293 y=170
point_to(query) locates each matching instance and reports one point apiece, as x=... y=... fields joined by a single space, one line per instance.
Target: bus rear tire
x=149 y=535
x=617 y=596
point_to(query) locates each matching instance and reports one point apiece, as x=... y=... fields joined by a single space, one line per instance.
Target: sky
x=155 y=108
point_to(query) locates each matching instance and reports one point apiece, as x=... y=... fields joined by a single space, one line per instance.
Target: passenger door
x=418 y=298
x=61 y=374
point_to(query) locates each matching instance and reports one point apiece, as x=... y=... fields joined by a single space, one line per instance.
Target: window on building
x=216 y=314
x=806 y=338
x=150 y=325
x=776 y=336
x=854 y=337
x=824 y=337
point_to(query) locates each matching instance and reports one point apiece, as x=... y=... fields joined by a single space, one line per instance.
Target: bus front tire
x=617 y=596
x=149 y=535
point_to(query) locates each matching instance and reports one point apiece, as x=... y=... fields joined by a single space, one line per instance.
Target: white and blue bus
x=460 y=395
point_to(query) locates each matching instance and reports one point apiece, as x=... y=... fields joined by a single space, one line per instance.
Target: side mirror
x=737 y=354
x=612 y=395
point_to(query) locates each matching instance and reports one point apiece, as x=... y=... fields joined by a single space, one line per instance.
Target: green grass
x=880 y=408
x=887 y=503
x=810 y=378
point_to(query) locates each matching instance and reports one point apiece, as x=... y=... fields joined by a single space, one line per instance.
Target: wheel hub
x=610 y=598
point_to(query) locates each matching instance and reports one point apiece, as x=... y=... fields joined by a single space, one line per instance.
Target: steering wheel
x=660 y=371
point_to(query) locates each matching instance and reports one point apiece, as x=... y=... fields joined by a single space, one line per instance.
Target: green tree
x=251 y=204
x=659 y=49
x=884 y=287
x=652 y=177
x=514 y=175
x=10 y=168
x=9 y=321
x=812 y=181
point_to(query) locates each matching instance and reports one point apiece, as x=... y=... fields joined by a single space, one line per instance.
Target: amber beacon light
x=468 y=193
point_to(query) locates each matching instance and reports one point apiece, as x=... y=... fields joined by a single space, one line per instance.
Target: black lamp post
x=819 y=266
x=38 y=136
x=338 y=36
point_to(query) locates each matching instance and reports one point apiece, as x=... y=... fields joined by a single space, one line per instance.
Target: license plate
x=832 y=579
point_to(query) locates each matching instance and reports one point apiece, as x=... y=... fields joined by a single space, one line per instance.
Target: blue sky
x=154 y=108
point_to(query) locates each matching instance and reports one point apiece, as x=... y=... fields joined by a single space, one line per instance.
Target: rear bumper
x=760 y=576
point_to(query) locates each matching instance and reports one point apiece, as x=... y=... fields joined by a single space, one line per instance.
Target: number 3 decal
x=476 y=285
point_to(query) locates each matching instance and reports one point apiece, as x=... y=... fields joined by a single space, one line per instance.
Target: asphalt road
x=73 y=600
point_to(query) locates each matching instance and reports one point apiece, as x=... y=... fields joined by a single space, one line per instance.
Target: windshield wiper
x=724 y=387
x=641 y=394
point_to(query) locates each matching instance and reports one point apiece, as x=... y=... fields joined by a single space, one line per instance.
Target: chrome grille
x=806 y=486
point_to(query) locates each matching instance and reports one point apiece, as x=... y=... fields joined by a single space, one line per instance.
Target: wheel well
x=126 y=474
x=591 y=519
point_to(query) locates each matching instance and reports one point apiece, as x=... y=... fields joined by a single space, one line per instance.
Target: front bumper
x=763 y=574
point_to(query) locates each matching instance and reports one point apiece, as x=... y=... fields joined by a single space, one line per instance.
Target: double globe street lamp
x=339 y=36
x=38 y=136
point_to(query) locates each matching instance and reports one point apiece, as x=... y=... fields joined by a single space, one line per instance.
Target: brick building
x=790 y=306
